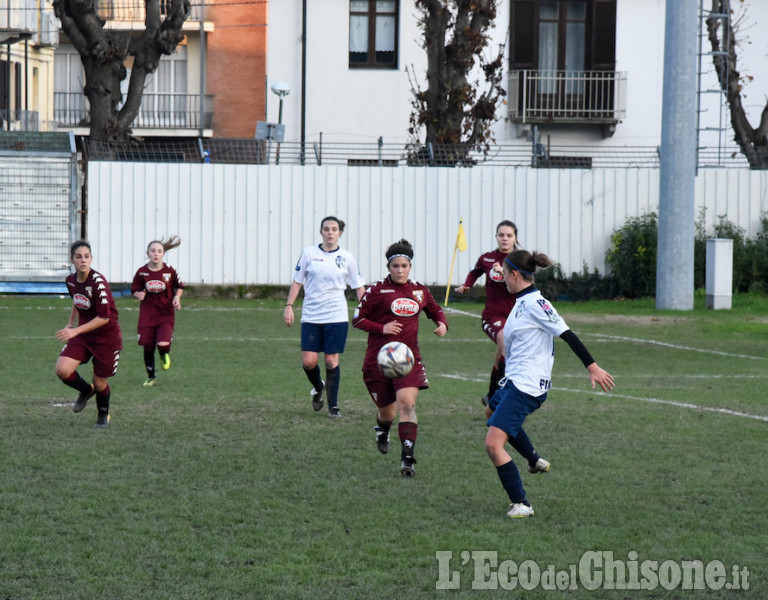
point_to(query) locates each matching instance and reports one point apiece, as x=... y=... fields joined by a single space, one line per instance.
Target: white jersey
x=529 y=342
x=325 y=276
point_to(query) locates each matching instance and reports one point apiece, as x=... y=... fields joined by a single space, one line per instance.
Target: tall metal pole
x=674 y=262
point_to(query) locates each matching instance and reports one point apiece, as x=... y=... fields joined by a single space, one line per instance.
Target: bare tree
x=753 y=141
x=452 y=109
x=104 y=53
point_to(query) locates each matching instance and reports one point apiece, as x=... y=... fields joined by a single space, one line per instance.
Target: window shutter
x=604 y=35
x=523 y=31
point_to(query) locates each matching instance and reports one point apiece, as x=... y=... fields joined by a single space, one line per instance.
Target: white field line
x=620 y=338
x=723 y=411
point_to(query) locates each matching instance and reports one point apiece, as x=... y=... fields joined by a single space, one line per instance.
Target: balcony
x=135 y=10
x=558 y=97
x=173 y=113
x=18 y=20
x=19 y=120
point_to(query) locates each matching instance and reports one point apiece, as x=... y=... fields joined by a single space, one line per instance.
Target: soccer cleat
x=519 y=510
x=485 y=399
x=333 y=412
x=317 y=397
x=103 y=420
x=83 y=398
x=540 y=466
x=150 y=382
x=406 y=466
x=165 y=359
x=382 y=439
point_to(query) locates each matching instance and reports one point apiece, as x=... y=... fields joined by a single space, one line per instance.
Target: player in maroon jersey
x=498 y=300
x=389 y=311
x=96 y=335
x=158 y=287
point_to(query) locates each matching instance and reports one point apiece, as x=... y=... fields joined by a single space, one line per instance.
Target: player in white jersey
x=529 y=342
x=324 y=271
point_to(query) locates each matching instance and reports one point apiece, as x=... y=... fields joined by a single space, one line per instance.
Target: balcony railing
x=567 y=96
x=19 y=120
x=135 y=10
x=158 y=111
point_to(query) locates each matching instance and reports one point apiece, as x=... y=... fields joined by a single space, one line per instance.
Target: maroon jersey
x=160 y=287
x=385 y=302
x=498 y=300
x=92 y=299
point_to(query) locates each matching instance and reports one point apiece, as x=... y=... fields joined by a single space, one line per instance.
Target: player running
x=96 y=335
x=498 y=300
x=158 y=287
x=324 y=271
x=389 y=311
x=529 y=347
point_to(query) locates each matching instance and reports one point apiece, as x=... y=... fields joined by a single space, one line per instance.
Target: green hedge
x=631 y=262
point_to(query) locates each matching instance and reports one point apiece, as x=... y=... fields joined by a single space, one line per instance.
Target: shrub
x=632 y=256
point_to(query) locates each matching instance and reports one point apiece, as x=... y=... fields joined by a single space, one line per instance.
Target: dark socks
x=149 y=361
x=510 y=480
x=497 y=373
x=407 y=432
x=332 y=379
x=313 y=375
x=76 y=382
x=384 y=426
x=522 y=443
x=102 y=400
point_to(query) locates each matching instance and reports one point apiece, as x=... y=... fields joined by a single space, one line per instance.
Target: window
x=563 y=35
x=563 y=62
x=373 y=33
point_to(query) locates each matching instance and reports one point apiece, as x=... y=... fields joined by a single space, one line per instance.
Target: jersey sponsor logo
x=405 y=307
x=548 y=310
x=545 y=384
x=490 y=260
x=386 y=291
x=81 y=301
x=419 y=295
x=495 y=275
x=156 y=286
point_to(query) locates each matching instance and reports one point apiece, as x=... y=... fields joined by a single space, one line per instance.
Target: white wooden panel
x=247 y=224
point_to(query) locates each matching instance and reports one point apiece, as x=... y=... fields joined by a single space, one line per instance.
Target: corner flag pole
x=461 y=245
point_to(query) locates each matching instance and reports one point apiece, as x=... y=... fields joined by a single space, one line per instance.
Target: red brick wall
x=237 y=65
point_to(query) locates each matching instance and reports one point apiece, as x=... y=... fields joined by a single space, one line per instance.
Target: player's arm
x=293 y=293
x=433 y=310
x=470 y=280
x=69 y=332
x=597 y=375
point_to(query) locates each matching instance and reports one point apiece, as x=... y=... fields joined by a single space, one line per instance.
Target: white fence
x=247 y=224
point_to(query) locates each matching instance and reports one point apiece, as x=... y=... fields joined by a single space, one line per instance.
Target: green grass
x=221 y=482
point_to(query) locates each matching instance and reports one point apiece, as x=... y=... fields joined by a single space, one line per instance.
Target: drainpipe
x=203 y=62
x=303 y=75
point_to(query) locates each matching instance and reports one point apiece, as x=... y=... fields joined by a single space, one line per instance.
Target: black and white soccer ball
x=395 y=360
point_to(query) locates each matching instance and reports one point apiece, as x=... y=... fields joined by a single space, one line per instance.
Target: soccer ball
x=395 y=359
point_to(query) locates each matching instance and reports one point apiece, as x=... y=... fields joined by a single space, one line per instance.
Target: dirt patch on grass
x=638 y=320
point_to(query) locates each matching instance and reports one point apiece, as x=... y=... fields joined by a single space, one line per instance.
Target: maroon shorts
x=383 y=390
x=492 y=327
x=105 y=352
x=149 y=336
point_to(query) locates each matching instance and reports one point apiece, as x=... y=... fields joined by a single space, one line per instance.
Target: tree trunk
x=104 y=53
x=753 y=142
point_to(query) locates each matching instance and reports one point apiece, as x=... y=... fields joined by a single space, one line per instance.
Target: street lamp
x=281 y=89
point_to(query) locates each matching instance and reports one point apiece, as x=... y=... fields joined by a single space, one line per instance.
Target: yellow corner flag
x=461 y=245
x=461 y=239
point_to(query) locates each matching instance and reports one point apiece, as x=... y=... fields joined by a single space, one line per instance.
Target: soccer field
x=221 y=482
